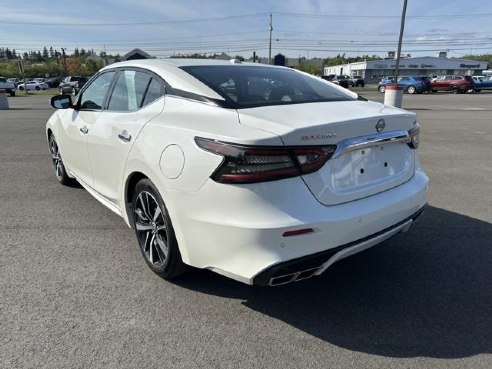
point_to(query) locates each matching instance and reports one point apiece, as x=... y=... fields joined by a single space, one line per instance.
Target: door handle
x=84 y=130
x=125 y=136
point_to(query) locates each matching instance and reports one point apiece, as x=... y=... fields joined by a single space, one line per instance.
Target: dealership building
x=421 y=66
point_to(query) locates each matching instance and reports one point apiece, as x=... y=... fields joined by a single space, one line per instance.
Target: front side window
x=94 y=95
x=252 y=86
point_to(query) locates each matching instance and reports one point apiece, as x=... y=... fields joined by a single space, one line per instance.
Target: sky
x=301 y=28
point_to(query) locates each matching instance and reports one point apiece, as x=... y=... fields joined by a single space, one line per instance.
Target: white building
x=421 y=66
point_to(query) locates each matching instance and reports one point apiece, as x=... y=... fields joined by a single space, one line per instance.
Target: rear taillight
x=248 y=164
x=414 y=135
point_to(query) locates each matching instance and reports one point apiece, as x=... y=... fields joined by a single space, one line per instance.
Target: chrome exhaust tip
x=293 y=277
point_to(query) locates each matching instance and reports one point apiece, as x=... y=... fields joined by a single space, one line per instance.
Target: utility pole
x=402 y=26
x=270 y=47
x=64 y=61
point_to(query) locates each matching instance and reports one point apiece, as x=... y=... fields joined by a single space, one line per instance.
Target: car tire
x=21 y=88
x=411 y=89
x=381 y=89
x=154 y=231
x=12 y=93
x=478 y=90
x=37 y=88
x=456 y=90
x=60 y=171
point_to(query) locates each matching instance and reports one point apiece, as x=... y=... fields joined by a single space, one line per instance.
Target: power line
x=140 y=23
x=345 y=16
x=233 y=17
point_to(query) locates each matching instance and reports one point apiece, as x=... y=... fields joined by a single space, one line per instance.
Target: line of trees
x=342 y=59
x=50 y=62
x=42 y=55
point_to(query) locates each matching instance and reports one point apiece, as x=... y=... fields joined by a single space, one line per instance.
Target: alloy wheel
x=57 y=160
x=151 y=228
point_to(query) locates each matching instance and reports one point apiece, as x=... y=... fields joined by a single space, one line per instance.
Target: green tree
x=482 y=57
x=46 y=55
x=308 y=68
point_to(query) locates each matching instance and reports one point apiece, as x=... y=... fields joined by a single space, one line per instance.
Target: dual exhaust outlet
x=293 y=277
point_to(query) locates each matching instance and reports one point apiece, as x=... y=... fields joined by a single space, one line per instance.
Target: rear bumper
x=312 y=265
x=238 y=231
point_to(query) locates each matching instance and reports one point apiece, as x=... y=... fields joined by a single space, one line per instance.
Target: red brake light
x=298 y=232
x=248 y=164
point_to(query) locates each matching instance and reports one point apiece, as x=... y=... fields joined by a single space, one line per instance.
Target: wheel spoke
x=143 y=226
x=146 y=242
x=157 y=213
x=59 y=171
x=162 y=246
x=161 y=228
x=142 y=216
x=147 y=209
x=142 y=211
x=144 y=207
x=151 y=249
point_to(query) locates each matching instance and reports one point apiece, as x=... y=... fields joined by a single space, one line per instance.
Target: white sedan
x=33 y=85
x=264 y=174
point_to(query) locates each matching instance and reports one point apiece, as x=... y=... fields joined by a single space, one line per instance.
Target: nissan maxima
x=263 y=174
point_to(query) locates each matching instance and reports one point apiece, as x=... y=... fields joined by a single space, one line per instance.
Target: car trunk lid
x=371 y=161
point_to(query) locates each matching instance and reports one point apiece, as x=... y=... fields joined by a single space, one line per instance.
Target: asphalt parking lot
x=76 y=293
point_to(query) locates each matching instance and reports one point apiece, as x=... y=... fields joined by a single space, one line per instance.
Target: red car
x=456 y=84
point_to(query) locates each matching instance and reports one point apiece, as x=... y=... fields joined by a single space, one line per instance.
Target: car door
x=116 y=129
x=404 y=81
x=78 y=124
x=440 y=83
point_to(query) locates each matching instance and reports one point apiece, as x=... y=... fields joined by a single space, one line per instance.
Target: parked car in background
x=261 y=173
x=53 y=82
x=453 y=83
x=482 y=83
x=33 y=85
x=342 y=80
x=410 y=84
x=72 y=84
x=329 y=77
x=9 y=87
x=15 y=81
x=357 y=81
x=338 y=80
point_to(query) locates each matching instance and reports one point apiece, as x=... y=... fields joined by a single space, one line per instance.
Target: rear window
x=253 y=86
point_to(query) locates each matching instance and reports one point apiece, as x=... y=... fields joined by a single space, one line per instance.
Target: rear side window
x=155 y=90
x=129 y=91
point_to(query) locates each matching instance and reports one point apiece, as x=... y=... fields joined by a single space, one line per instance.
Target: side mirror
x=61 y=101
